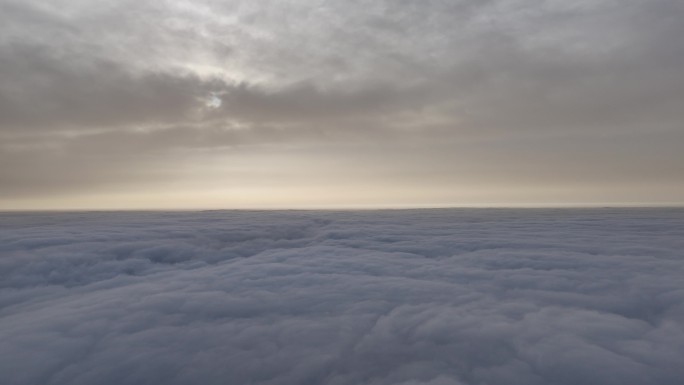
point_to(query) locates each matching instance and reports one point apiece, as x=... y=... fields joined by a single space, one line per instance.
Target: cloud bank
x=433 y=297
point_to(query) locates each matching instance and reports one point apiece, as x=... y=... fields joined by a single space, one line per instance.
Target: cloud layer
x=106 y=95
x=378 y=297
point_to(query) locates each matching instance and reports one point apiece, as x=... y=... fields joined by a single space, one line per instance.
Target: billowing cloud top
x=438 y=297
x=243 y=103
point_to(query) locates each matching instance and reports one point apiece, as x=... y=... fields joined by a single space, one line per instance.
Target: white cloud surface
x=463 y=296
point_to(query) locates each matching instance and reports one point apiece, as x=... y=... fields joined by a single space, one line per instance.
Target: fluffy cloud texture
x=433 y=297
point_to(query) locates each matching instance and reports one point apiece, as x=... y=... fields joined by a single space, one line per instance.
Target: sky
x=319 y=103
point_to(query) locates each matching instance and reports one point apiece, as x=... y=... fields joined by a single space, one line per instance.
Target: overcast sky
x=194 y=104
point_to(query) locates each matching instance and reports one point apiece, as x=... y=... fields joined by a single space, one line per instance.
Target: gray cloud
x=39 y=92
x=391 y=297
x=132 y=82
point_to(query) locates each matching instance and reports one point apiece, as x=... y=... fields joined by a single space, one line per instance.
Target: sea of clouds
x=438 y=297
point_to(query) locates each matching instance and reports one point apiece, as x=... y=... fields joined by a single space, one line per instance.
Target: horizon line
x=673 y=205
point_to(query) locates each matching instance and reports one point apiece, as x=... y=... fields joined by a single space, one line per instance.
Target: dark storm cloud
x=395 y=297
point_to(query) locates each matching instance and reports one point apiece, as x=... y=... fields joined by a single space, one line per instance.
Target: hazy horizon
x=326 y=103
x=354 y=208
